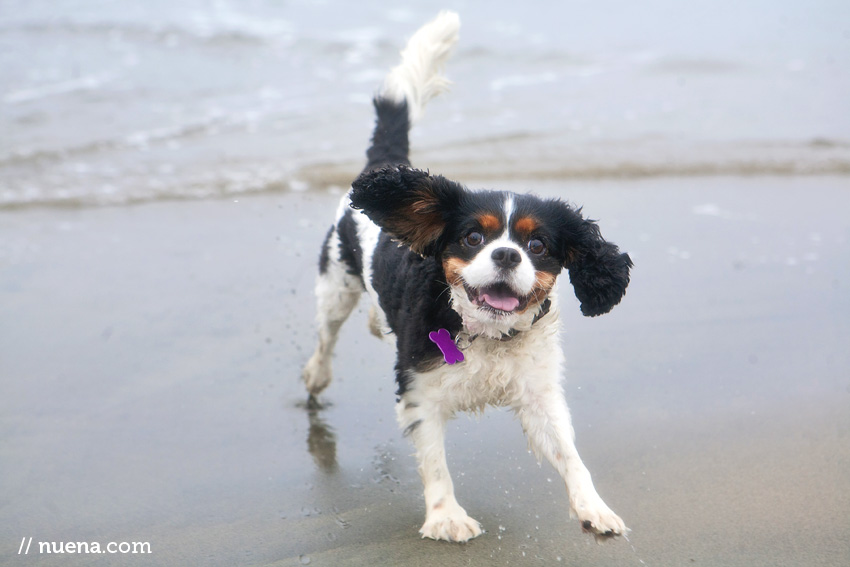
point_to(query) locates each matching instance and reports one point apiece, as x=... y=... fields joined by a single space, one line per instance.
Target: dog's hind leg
x=375 y=323
x=337 y=294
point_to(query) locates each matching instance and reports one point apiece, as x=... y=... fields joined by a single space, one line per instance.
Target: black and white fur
x=482 y=265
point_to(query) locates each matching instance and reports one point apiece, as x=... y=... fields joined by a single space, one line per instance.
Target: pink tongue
x=506 y=303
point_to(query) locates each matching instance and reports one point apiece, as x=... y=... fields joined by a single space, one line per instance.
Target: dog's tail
x=408 y=88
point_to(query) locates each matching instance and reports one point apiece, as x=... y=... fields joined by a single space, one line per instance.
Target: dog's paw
x=451 y=524
x=316 y=374
x=597 y=518
x=375 y=323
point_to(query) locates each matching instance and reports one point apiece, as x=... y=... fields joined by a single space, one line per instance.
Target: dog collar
x=544 y=309
x=452 y=349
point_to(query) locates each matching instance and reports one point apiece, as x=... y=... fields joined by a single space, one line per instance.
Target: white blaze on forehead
x=482 y=271
x=509 y=210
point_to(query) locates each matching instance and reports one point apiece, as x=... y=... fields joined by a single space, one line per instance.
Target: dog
x=462 y=282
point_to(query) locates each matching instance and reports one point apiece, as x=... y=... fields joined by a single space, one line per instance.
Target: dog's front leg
x=544 y=415
x=445 y=519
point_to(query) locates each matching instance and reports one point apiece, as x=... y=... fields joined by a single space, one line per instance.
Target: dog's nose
x=506 y=257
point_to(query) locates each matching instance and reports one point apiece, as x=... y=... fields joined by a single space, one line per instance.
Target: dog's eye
x=536 y=247
x=473 y=239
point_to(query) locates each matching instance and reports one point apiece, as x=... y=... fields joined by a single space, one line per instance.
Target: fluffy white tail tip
x=418 y=78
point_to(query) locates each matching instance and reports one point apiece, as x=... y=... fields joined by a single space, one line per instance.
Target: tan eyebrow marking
x=526 y=225
x=489 y=221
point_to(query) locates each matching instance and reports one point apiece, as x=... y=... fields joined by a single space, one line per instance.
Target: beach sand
x=149 y=390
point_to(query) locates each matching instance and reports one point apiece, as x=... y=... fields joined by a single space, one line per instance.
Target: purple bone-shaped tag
x=444 y=341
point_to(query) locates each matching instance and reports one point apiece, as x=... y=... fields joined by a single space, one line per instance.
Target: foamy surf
x=136 y=102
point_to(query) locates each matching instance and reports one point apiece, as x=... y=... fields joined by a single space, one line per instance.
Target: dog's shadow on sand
x=321 y=439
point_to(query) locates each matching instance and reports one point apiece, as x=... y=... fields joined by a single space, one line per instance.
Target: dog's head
x=501 y=252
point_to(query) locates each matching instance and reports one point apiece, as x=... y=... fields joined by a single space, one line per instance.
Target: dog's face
x=501 y=259
x=501 y=252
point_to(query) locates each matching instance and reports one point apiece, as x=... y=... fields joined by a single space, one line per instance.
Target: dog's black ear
x=598 y=270
x=409 y=204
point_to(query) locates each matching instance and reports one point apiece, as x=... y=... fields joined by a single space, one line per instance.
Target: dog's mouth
x=499 y=298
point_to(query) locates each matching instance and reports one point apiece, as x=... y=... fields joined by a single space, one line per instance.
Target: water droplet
x=305 y=560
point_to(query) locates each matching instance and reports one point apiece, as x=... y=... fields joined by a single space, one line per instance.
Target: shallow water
x=117 y=102
x=149 y=390
x=150 y=355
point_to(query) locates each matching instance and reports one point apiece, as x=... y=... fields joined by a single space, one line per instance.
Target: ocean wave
x=818 y=157
x=469 y=163
x=145 y=186
x=202 y=30
x=206 y=31
x=140 y=139
x=85 y=83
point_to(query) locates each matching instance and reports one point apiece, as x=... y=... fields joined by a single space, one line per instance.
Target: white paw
x=597 y=518
x=375 y=323
x=450 y=524
x=316 y=374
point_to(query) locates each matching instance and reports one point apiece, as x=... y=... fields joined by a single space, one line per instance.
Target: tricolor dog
x=462 y=283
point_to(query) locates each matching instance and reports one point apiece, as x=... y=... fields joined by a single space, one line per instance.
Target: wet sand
x=149 y=390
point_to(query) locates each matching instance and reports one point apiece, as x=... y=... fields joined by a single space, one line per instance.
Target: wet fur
x=400 y=236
